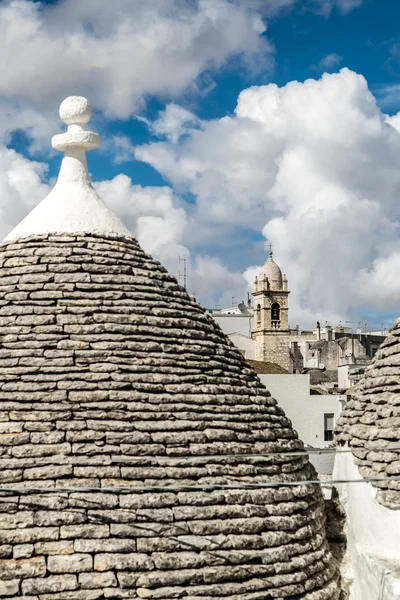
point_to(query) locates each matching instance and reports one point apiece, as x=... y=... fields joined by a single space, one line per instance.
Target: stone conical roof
x=370 y=421
x=132 y=436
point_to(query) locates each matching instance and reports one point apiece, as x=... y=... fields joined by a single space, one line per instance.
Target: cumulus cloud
x=21 y=187
x=120 y=147
x=328 y=62
x=381 y=277
x=119 y=52
x=153 y=214
x=312 y=165
x=174 y=122
x=388 y=95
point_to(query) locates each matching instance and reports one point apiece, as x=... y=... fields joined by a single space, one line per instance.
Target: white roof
x=72 y=206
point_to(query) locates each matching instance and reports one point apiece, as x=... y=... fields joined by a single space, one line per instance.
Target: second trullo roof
x=370 y=421
x=134 y=435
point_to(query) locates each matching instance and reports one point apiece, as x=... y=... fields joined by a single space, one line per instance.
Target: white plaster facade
x=245 y=345
x=306 y=411
x=350 y=375
x=372 y=564
x=237 y=323
x=229 y=324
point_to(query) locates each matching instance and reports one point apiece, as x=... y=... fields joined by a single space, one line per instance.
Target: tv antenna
x=184 y=274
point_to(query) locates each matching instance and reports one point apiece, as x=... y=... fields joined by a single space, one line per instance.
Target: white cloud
x=379 y=283
x=348 y=5
x=38 y=126
x=122 y=52
x=388 y=95
x=328 y=62
x=119 y=52
x=313 y=165
x=147 y=209
x=325 y=7
x=21 y=187
x=174 y=122
x=120 y=147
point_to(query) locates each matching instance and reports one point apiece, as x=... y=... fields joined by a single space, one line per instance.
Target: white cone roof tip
x=73 y=205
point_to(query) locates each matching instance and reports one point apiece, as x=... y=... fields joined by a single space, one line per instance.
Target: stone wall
x=108 y=545
x=273 y=347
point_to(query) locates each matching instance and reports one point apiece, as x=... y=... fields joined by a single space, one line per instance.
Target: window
x=275 y=312
x=328 y=426
x=258 y=314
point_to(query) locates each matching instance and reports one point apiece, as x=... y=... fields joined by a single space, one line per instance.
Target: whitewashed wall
x=246 y=345
x=373 y=537
x=242 y=324
x=305 y=411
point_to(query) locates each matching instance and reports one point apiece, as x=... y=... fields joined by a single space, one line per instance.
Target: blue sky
x=195 y=176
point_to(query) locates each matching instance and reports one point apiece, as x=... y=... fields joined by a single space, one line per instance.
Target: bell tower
x=271 y=319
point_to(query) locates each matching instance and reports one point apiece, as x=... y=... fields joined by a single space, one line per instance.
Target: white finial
x=75 y=111
x=72 y=205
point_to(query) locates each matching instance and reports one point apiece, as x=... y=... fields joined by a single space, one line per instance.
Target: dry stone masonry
x=370 y=422
x=132 y=434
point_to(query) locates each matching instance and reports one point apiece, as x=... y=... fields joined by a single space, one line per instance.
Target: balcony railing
x=275 y=324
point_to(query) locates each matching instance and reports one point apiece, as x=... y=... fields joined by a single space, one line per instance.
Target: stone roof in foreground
x=370 y=421
x=132 y=435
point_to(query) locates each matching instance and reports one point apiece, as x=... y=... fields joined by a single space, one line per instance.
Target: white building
x=350 y=375
x=237 y=319
x=313 y=416
x=237 y=323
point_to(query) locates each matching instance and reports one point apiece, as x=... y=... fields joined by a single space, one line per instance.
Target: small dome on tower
x=273 y=273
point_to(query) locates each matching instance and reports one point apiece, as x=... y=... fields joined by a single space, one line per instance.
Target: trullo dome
x=135 y=440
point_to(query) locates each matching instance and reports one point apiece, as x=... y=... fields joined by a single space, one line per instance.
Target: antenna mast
x=184 y=274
